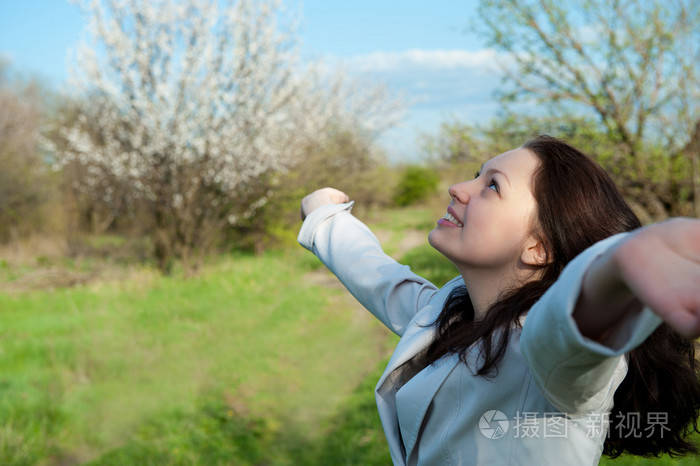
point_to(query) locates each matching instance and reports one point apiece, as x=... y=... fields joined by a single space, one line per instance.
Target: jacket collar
x=415 y=340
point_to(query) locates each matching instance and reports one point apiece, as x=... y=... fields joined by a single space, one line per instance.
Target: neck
x=483 y=289
x=485 y=286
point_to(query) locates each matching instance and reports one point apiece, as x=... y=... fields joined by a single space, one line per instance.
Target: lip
x=446 y=223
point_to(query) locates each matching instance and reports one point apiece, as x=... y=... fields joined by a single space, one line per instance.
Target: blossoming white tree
x=192 y=105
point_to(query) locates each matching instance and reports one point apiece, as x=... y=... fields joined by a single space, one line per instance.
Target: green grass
x=221 y=364
x=638 y=461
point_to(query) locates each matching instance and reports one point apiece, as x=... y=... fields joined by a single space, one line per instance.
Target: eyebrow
x=494 y=170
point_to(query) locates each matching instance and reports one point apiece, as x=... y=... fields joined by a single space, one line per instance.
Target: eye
x=494 y=185
x=477 y=174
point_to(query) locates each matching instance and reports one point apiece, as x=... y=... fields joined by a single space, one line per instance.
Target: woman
x=550 y=347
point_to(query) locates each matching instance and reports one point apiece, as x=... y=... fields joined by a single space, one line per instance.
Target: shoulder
x=447 y=289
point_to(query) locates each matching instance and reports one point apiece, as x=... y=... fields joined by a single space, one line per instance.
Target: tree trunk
x=692 y=151
x=162 y=243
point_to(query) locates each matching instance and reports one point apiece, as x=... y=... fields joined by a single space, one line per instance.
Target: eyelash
x=495 y=185
x=493 y=182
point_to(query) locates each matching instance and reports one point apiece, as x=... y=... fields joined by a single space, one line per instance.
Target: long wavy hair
x=578 y=205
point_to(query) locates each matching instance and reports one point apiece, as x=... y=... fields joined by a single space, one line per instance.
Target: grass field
x=154 y=367
x=260 y=360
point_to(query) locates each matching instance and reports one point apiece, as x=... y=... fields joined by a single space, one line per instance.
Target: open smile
x=450 y=220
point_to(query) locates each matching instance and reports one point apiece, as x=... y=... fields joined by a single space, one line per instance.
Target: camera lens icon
x=493 y=424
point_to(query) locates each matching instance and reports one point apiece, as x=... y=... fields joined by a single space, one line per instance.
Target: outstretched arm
x=348 y=248
x=657 y=266
x=606 y=302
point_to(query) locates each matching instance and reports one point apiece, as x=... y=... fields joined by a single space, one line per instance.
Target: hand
x=660 y=264
x=322 y=197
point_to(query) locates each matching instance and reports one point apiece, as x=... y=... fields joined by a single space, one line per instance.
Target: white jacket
x=548 y=402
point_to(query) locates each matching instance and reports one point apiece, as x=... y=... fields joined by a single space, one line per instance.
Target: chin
x=434 y=241
x=431 y=236
x=437 y=242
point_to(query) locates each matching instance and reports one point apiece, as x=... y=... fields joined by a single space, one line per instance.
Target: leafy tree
x=23 y=175
x=194 y=107
x=511 y=130
x=455 y=142
x=633 y=64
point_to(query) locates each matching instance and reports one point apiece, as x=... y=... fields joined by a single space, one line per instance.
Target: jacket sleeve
x=348 y=248
x=578 y=375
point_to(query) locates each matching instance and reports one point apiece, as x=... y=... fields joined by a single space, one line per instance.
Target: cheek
x=507 y=233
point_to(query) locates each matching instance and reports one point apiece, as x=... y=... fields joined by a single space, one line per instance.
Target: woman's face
x=490 y=217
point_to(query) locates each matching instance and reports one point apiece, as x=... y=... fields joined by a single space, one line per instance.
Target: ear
x=534 y=252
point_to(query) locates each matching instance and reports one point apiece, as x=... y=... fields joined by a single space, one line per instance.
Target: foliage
x=347 y=160
x=633 y=65
x=416 y=184
x=511 y=130
x=189 y=110
x=25 y=184
x=453 y=143
x=668 y=174
x=344 y=159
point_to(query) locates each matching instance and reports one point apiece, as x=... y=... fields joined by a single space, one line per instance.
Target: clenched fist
x=322 y=197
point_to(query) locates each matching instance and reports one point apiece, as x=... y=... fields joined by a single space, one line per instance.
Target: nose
x=460 y=192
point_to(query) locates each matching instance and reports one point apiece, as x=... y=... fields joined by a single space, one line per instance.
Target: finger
x=685 y=322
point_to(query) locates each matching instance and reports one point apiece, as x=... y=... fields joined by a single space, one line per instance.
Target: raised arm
x=607 y=301
x=658 y=267
x=348 y=248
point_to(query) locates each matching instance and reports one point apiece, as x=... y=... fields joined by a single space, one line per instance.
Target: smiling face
x=488 y=224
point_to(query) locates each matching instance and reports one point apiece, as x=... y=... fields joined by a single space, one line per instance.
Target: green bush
x=430 y=264
x=416 y=184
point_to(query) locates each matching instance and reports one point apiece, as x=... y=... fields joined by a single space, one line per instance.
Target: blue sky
x=420 y=48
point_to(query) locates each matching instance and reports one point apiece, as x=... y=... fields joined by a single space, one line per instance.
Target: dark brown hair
x=578 y=205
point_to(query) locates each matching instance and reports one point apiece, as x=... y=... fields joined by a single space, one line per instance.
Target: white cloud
x=381 y=61
x=436 y=81
x=7 y=57
x=439 y=85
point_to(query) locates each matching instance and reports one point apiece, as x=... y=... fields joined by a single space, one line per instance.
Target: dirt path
x=324 y=278
x=410 y=239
